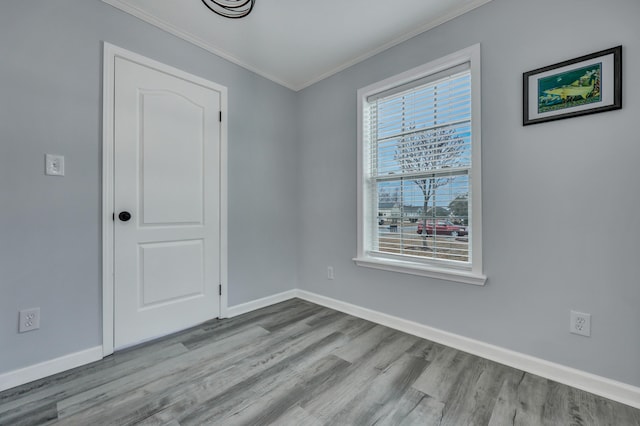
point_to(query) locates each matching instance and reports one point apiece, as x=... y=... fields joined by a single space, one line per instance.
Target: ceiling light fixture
x=230 y=8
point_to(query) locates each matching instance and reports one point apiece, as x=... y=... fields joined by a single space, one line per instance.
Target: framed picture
x=584 y=85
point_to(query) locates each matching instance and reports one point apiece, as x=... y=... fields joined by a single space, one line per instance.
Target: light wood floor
x=297 y=363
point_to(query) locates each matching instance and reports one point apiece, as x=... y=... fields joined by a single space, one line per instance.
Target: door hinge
x=220 y=289
x=113 y=216
x=220 y=116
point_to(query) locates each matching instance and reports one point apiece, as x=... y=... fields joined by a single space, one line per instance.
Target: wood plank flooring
x=296 y=363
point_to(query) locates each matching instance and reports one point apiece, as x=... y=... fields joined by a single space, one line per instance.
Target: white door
x=166 y=202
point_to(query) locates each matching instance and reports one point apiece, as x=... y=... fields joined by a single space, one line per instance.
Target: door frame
x=108 y=174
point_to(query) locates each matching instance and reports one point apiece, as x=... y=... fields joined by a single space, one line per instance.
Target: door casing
x=108 y=173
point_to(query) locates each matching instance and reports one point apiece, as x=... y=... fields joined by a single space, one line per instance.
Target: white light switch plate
x=54 y=165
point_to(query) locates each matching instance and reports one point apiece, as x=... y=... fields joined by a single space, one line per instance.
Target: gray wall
x=561 y=200
x=50 y=102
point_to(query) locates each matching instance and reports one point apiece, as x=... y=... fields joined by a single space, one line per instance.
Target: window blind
x=420 y=161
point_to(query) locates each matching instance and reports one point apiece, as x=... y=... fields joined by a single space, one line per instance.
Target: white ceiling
x=299 y=42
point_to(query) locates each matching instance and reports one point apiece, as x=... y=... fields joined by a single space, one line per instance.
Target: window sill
x=466 y=277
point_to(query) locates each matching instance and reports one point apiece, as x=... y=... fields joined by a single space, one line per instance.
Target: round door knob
x=124 y=216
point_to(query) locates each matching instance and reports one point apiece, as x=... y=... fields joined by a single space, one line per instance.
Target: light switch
x=54 y=165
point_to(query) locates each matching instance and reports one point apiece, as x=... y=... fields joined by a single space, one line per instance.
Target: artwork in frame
x=584 y=85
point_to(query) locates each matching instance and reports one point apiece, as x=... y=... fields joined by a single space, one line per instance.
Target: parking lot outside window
x=419 y=179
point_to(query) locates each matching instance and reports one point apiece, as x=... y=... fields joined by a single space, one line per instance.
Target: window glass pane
x=427 y=128
x=426 y=217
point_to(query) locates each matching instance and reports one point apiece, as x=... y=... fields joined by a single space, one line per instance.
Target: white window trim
x=473 y=275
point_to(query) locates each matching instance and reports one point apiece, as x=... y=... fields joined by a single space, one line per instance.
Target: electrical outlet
x=580 y=323
x=330 y=275
x=54 y=165
x=29 y=320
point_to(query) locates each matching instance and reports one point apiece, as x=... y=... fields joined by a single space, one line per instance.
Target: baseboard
x=243 y=308
x=598 y=385
x=38 y=371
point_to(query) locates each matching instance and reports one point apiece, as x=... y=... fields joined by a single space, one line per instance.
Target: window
x=419 y=203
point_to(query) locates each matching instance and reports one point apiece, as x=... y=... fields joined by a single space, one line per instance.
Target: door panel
x=164 y=264
x=173 y=168
x=167 y=156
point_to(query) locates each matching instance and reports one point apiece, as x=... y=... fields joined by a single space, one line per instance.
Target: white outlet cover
x=54 y=165
x=29 y=320
x=580 y=323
